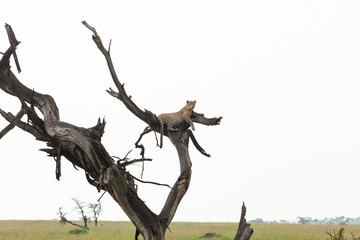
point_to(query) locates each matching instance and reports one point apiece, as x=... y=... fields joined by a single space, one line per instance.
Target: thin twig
x=127 y=154
x=109 y=46
x=155 y=183
x=101 y=196
x=137 y=145
x=134 y=161
x=123 y=159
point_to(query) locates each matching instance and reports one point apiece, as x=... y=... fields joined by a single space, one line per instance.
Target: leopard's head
x=190 y=105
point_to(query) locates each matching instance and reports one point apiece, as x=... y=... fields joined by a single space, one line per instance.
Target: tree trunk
x=244 y=231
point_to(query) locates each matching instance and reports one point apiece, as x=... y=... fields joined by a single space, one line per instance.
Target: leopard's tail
x=161 y=133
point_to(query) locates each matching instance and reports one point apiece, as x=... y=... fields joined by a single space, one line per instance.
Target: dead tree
x=83 y=148
x=80 y=209
x=95 y=210
x=63 y=219
x=244 y=231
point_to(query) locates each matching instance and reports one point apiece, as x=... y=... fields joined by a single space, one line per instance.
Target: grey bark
x=244 y=231
x=82 y=146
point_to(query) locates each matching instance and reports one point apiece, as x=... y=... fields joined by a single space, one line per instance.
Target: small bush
x=210 y=235
x=78 y=231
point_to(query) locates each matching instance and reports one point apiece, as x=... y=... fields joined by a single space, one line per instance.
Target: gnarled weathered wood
x=179 y=139
x=82 y=146
x=244 y=231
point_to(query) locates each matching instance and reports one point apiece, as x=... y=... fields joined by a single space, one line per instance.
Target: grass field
x=52 y=230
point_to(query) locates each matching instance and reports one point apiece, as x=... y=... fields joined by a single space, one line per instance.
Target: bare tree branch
x=126 y=163
x=13 y=42
x=150 y=182
x=32 y=129
x=121 y=95
x=137 y=145
x=196 y=144
x=13 y=122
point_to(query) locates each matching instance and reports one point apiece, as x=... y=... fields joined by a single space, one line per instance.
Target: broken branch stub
x=245 y=230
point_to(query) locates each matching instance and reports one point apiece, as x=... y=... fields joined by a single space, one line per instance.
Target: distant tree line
x=308 y=220
x=333 y=221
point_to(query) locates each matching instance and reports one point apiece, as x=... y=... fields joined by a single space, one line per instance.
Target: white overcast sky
x=283 y=74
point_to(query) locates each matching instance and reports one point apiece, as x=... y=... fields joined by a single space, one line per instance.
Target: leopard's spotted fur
x=172 y=120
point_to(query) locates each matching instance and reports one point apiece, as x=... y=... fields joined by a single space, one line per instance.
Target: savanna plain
x=52 y=230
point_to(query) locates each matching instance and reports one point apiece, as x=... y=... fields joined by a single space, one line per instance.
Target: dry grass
x=297 y=231
x=52 y=230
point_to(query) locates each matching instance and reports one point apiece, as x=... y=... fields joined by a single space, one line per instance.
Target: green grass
x=52 y=230
x=78 y=231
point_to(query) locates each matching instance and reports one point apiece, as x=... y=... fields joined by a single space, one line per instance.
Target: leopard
x=172 y=120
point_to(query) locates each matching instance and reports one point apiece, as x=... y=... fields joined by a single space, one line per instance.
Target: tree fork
x=82 y=146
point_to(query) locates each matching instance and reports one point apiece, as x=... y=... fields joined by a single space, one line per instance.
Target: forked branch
x=121 y=95
x=13 y=122
x=180 y=140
